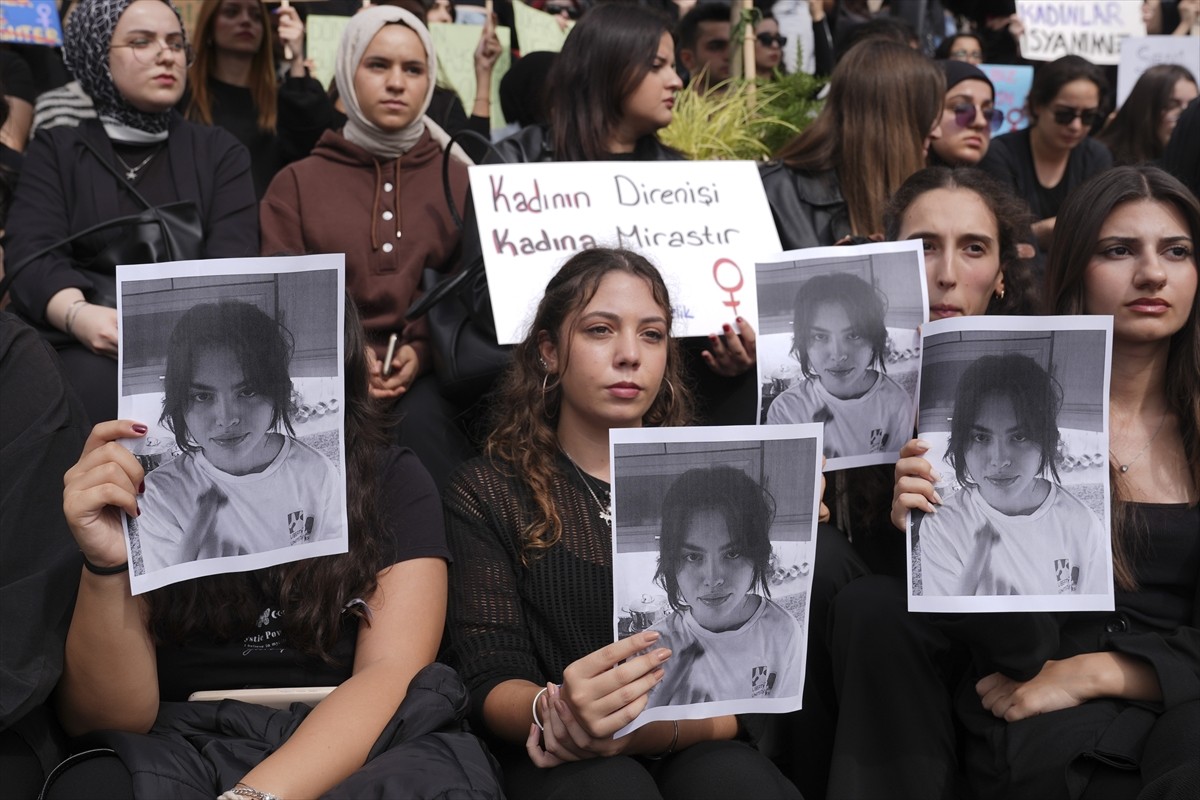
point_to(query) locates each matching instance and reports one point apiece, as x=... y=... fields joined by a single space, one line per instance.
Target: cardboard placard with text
x=702 y=223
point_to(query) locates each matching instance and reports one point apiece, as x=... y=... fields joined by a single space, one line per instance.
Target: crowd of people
x=468 y=632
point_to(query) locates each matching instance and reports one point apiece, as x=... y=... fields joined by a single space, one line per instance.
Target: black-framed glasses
x=768 y=39
x=555 y=9
x=1065 y=115
x=146 y=50
x=964 y=115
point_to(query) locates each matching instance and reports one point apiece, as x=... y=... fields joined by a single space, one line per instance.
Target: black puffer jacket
x=198 y=750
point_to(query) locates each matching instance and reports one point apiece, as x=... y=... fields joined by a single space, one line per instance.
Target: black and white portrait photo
x=714 y=539
x=838 y=345
x=236 y=368
x=1015 y=413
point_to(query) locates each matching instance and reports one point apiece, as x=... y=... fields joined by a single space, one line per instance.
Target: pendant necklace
x=1123 y=468
x=605 y=508
x=131 y=173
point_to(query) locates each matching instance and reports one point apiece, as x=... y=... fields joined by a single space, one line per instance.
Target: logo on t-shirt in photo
x=300 y=527
x=761 y=682
x=879 y=440
x=1066 y=575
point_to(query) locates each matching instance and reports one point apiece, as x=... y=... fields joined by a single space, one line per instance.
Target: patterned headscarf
x=86 y=44
x=358 y=34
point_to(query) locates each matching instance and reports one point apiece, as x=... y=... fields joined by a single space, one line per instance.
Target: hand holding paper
x=103 y=483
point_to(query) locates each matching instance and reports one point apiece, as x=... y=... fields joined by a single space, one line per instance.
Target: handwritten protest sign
x=1012 y=82
x=1089 y=28
x=537 y=30
x=30 y=22
x=703 y=223
x=1140 y=53
x=321 y=37
x=455 y=45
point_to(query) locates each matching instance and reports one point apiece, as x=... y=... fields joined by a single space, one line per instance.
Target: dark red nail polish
x=138 y=510
x=139 y=428
x=142 y=487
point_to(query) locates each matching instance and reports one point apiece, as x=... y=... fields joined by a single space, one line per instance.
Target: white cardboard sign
x=702 y=224
x=1089 y=28
x=1140 y=53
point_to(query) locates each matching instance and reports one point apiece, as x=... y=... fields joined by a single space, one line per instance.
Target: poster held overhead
x=236 y=366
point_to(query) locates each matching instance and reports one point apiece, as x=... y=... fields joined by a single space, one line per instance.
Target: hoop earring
x=1000 y=294
x=547 y=389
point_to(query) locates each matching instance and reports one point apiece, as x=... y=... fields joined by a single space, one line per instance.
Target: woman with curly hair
x=530 y=624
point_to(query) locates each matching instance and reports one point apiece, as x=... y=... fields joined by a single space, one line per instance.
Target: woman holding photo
x=1056 y=706
x=529 y=524
x=367 y=622
x=970 y=227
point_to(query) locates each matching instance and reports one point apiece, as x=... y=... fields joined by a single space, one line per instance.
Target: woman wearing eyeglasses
x=1047 y=160
x=131 y=58
x=965 y=47
x=969 y=117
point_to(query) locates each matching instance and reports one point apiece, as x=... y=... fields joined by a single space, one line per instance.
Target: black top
x=1010 y=160
x=42 y=431
x=304 y=112
x=511 y=620
x=262 y=659
x=16 y=78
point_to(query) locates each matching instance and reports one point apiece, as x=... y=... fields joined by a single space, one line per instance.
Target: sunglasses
x=555 y=9
x=964 y=115
x=1065 y=116
x=768 y=39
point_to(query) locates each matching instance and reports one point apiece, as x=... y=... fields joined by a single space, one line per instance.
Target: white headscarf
x=358 y=34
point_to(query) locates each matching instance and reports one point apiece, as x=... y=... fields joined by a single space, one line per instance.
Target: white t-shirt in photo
x=879 y=421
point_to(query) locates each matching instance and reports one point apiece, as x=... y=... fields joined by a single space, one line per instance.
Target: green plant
x=742 y=119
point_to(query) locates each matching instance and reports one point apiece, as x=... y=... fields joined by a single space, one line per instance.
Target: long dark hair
x=1133 y=133
x=1013 y=221
x=604 y=58
x=884 y=98
x=524 y=439
x=260 y=344
x=747 y=508
x=1036 y=398
x=313 y=593
x=865 y=307
x=1077 y=232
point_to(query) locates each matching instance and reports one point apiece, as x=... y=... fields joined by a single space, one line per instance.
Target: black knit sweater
x=508 y=620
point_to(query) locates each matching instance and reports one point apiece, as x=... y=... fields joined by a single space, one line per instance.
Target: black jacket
x=65 y=190
x=198 y=750
x=809 y=209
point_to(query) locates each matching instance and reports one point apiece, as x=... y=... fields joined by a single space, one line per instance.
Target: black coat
x=809 y=209
x=65 y=190
x=198 y=750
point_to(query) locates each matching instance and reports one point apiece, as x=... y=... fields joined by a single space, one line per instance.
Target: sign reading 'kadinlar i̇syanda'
x=701 y=223
x=1089 y=28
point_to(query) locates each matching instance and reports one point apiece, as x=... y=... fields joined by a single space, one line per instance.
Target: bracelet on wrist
x=72 y=312
x=96 y=570
x=537 y=697
x=671 y=747
x=243 y=791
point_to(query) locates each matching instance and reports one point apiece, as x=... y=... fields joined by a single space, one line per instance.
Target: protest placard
x=1094 y=30
x=537 y=30
x=321 y=37
x=455 y=45
x=1012 y=82
x=1140 y=53
x=30 y=22
x=703 y=223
